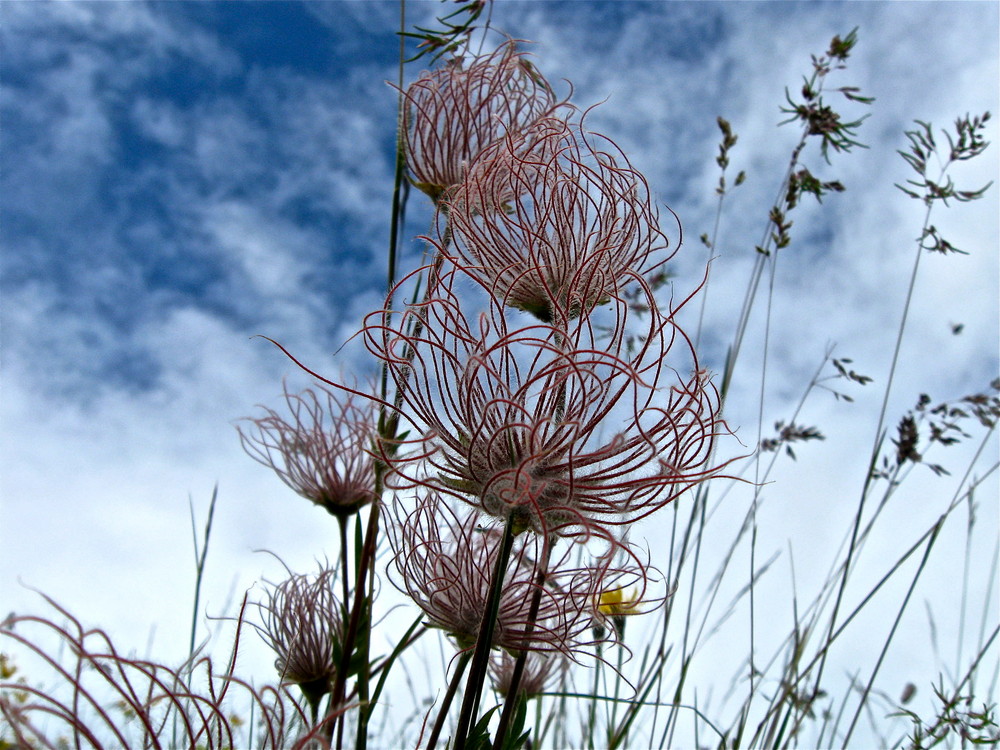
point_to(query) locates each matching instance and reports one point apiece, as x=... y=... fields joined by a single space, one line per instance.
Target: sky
x=180 y=177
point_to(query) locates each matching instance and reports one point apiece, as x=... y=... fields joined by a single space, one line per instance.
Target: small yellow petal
x=614 y=602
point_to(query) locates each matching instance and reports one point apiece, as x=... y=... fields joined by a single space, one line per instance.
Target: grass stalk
x=199 y=562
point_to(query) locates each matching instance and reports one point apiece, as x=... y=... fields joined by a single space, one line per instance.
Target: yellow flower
x=7 y=668
x=619 y=604
x=613 y=602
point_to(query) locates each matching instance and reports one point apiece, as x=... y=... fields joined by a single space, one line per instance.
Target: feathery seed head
x=540 y=670
x=302 y=625
x=569 y=432
x=321 y=450
x=454 y=112
x=554 y=220
x=445 y=563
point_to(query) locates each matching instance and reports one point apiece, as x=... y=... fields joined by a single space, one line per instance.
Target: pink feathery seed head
x=454 y=112
x=321 y=449
x=555 y=220
x=445 y=560
x=83 y=687
x=568 y=432
x=540 y=672
x=302 y=625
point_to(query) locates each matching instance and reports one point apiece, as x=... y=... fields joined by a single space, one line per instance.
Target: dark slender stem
x=463 y=661
x=522 y=657
x=368 y=551
x=342 y=522
x=480 y=659
x=510 y=702
x=362 y=603
x=340 y=731
x=397 y=183
x=313 y=702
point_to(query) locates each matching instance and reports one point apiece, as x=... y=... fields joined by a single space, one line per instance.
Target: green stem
x=613 y=736
x=515 y=681
x=362 y=603
x=592 y=718
x=367 y=563
x=397 y=184
x=463 y=661
x=199 y=559
x=344 y=574
x=484 y=642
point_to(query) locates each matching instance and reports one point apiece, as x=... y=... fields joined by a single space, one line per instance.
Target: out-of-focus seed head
x=540 y=672
x=444 y=562
x=320 y=450
x=302 y=625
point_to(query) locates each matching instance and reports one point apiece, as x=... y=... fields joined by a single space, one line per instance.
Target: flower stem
x=463 y=661
x=592 y=718
x=480 y=659
x=522 y=657
x=344 y=574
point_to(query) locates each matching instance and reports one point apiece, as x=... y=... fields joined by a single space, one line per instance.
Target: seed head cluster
x=559 y=426
x=302 y=625
x=543 y=387
x=554 y=220
x=544 y=398
x=445 y=563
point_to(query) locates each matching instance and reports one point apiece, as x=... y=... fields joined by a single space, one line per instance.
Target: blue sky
x=178 y=177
